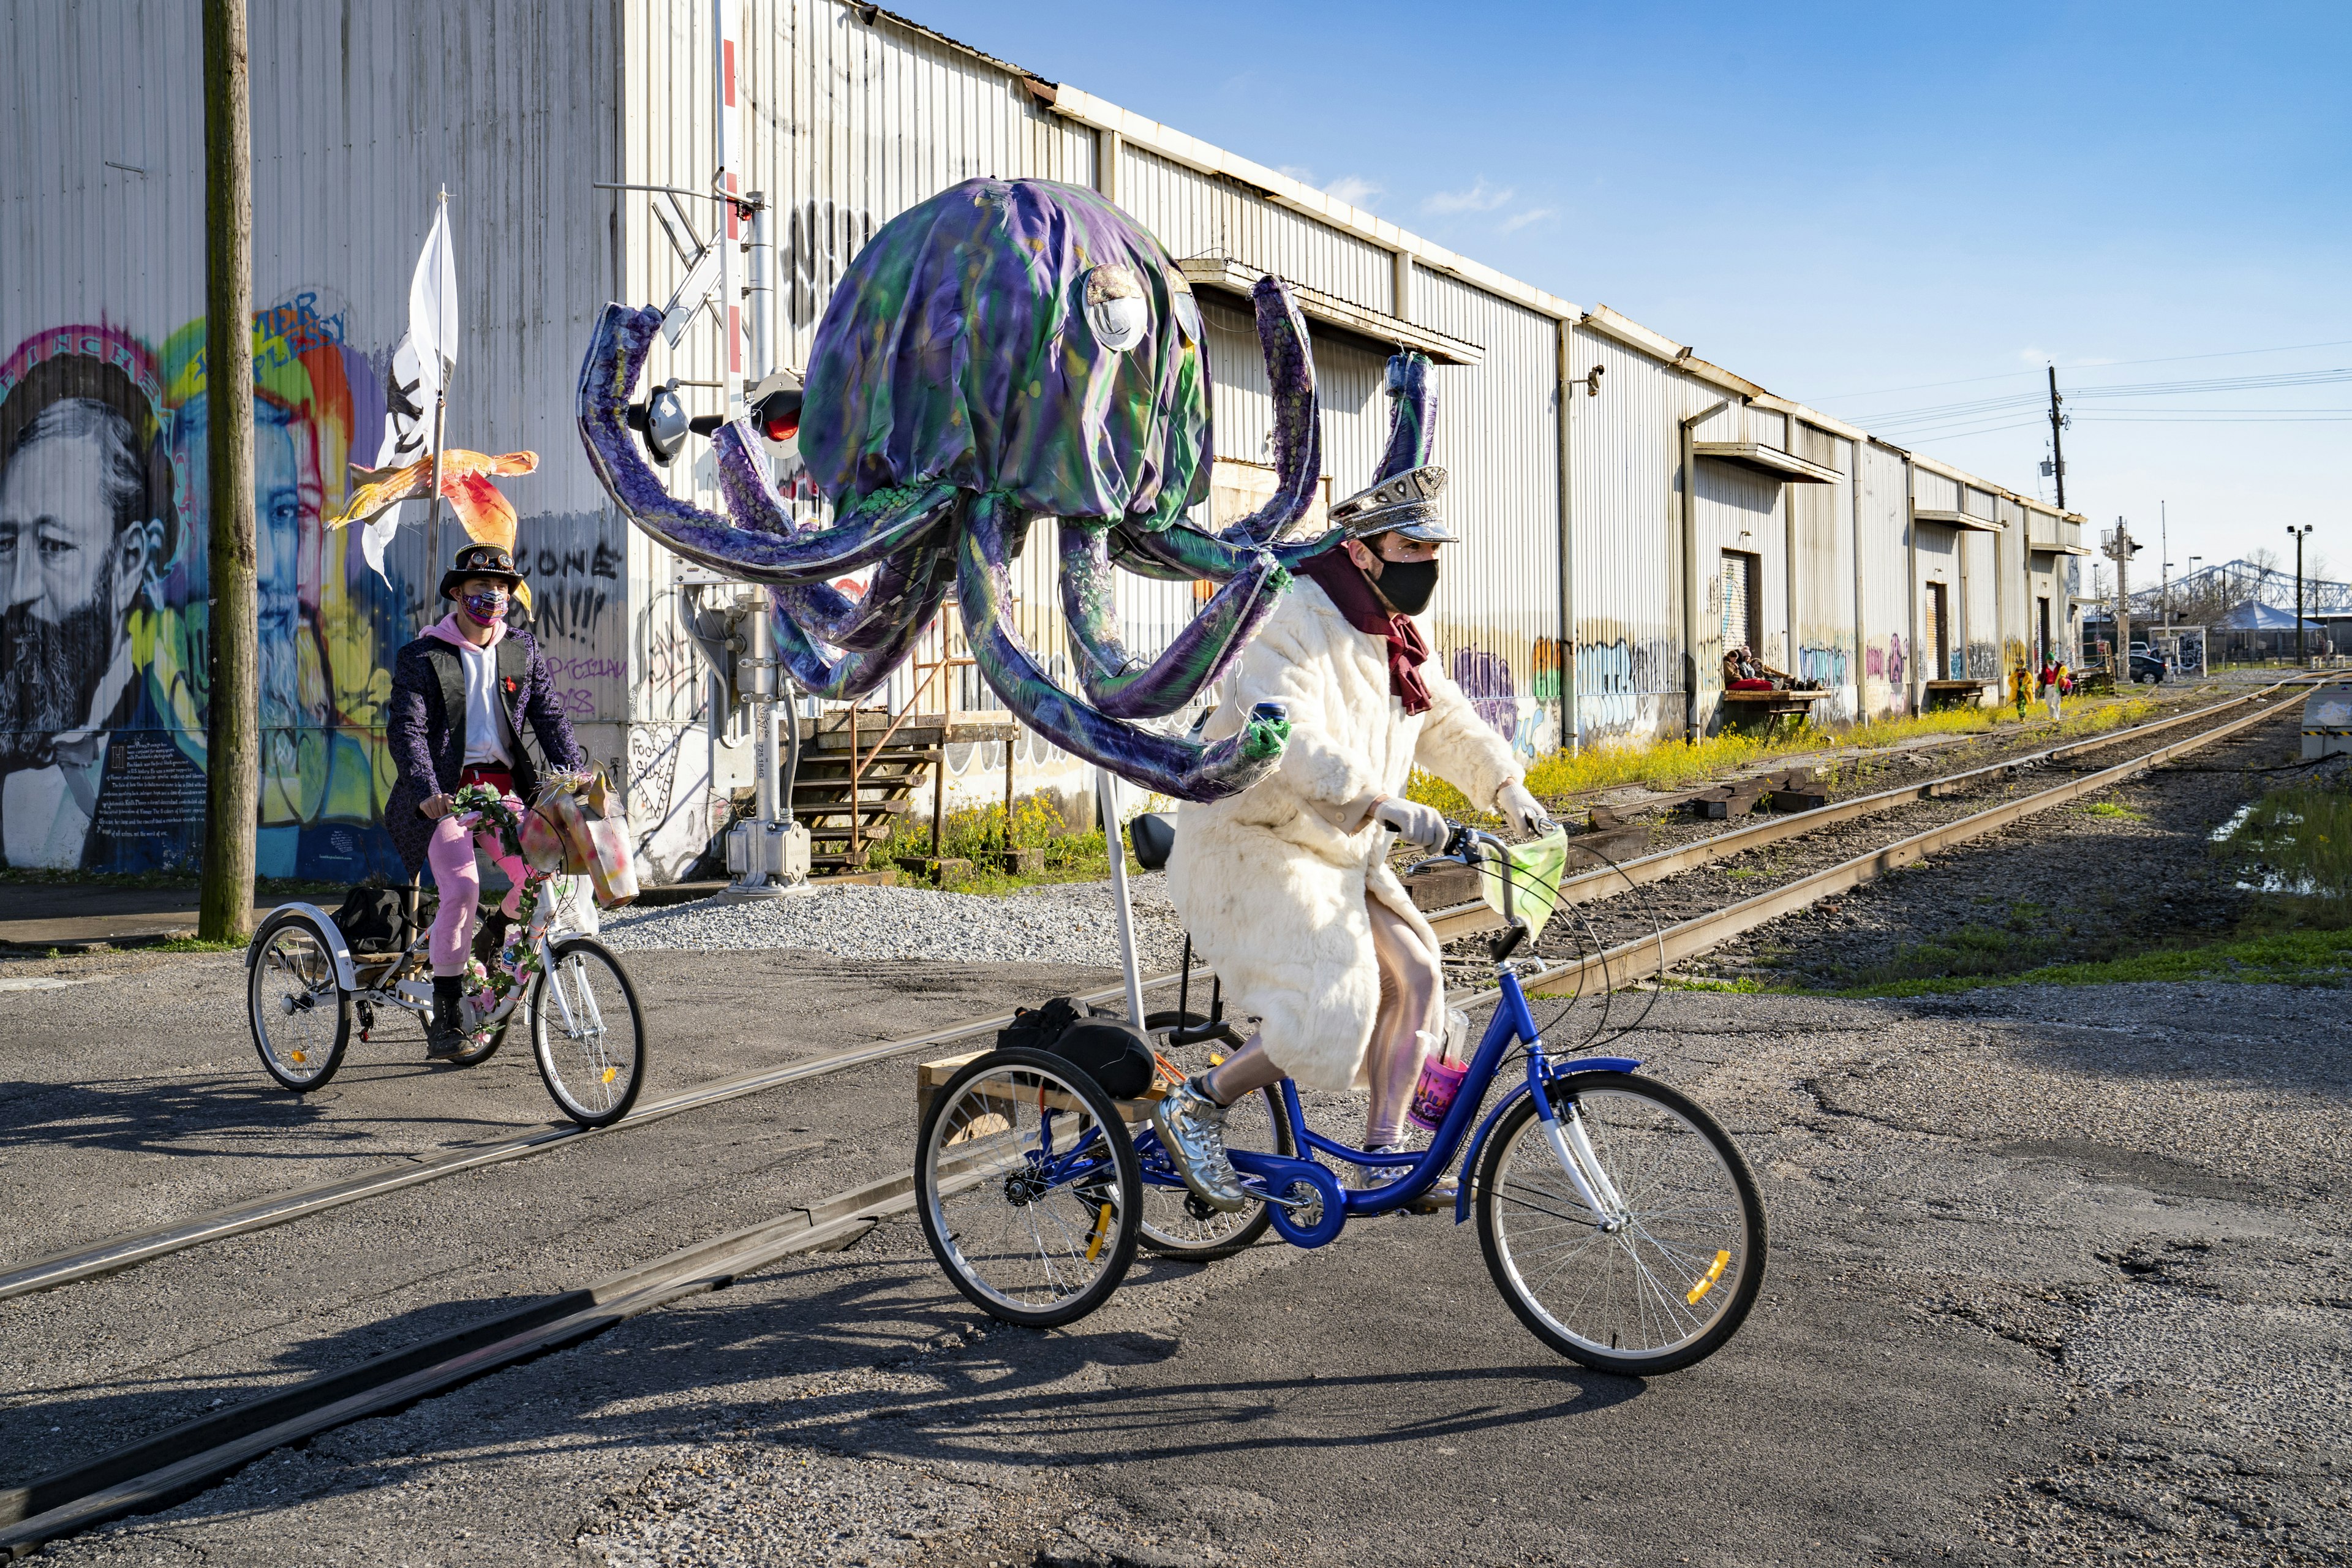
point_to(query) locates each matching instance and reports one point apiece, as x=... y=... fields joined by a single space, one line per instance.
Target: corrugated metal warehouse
x=1621 y=497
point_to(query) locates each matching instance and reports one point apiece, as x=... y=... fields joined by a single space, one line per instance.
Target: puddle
x=2294 y=843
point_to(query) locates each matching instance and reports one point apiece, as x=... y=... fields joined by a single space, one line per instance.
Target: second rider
x=1286 y=888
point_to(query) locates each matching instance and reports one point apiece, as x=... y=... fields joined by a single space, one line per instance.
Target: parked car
x=2151 y=667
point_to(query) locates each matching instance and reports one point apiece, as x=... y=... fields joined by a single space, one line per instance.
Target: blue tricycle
x=1617 y=1217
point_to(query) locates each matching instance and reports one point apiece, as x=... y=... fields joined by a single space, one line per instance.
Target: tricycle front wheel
x=1661 y=1278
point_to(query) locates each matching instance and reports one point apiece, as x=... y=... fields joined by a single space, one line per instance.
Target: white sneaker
x=1192 y=1129
x=1363 y=1178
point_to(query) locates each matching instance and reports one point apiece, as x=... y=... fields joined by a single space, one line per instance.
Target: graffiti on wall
x=1829 y=666
x=1616 y=677
x=104 y=519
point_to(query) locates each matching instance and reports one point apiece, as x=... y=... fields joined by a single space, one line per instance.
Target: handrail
x=857 y=765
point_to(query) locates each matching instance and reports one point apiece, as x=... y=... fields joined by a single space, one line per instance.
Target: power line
x=1935 y=414
x=2102 y=364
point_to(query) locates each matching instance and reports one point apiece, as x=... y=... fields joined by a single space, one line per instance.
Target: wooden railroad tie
x=1791 y=789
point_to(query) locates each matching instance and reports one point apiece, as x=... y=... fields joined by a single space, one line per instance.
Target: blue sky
x=1841 y=201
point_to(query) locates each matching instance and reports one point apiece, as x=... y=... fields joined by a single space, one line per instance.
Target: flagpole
x=440 y=423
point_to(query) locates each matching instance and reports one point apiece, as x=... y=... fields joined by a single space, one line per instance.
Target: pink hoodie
x=445 y=628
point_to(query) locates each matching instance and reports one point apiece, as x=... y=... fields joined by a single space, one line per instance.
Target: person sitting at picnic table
x=1743 y=671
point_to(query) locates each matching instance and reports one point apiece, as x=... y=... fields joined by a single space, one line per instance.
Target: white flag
x=414 y=383
x=433 y=299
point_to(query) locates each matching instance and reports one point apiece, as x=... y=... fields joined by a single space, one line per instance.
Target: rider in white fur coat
x=1282 y=885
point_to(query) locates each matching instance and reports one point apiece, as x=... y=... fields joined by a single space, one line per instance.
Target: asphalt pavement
x=2057 y=1275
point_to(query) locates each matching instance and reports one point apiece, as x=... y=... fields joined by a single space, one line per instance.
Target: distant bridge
x=2235 y=582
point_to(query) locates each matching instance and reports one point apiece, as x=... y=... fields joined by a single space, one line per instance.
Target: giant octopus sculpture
x=1004 y=352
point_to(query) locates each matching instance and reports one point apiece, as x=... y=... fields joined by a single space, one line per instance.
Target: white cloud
x=1303 y=175
x=1517 y=221
x=1353 y=189
x=1480 y=197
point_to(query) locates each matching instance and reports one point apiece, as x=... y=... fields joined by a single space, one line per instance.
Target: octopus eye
x=1116 y=309
x=1186 y=309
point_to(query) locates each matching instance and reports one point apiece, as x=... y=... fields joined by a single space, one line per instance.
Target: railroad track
x=1465 y=920
x=1657 y=951
x=175 y=1463
x=120 y=1252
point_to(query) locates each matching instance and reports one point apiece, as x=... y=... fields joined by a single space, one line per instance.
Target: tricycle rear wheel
x=1027 y=1188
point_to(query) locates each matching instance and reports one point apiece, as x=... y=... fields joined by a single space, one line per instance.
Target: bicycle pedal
x=1428 y=1203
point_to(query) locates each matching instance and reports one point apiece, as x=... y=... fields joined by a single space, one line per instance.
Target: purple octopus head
x=1021 y=338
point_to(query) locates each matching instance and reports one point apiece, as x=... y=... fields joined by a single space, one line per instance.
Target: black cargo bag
x=373 y=920
x=1108 y=1050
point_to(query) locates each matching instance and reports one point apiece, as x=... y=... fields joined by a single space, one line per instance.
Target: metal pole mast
x=2298 y=534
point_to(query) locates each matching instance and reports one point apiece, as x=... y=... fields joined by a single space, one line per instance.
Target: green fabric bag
x=1534 y=870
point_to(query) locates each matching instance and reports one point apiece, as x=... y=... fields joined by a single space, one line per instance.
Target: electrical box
x=2327 y=721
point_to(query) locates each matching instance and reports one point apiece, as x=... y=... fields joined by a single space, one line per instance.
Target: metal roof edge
x=1829 y=422
x=1175 y=145
x=1633 y=334
x=1715 y=375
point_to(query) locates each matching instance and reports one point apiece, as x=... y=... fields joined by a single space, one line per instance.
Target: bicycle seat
x=1154 y=836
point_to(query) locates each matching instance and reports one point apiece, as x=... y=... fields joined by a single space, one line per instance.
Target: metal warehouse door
x=1931 y=634
x=1738 y=601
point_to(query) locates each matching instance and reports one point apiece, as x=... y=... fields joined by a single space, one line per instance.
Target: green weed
x=978 y=833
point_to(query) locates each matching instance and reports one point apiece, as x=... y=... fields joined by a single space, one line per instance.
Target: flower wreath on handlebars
x=490 y=991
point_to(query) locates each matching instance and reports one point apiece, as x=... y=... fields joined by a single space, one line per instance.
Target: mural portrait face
x=277 y=546
x=77 y=542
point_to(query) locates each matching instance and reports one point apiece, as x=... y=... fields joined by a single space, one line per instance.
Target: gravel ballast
x=1070 y=923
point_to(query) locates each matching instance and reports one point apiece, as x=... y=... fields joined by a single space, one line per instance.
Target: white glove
x=1414 y=823
x=1524 y=810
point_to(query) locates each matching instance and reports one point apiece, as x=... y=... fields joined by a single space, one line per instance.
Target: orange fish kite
x=488 y=516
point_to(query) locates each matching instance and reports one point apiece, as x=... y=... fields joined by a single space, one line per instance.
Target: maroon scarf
x=1352 y=592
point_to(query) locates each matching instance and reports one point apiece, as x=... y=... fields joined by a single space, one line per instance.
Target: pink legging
x=450 y=854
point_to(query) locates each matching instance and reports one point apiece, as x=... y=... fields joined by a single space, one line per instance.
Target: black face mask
x=1407 y=584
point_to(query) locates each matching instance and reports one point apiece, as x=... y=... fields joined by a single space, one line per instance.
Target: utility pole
x=2164 y=565
x=2120 y=549
x=2057 y=451
x=2298 y=535
x=232 y=711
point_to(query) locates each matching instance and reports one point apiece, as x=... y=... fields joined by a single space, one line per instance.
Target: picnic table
x=1946 y=693
x=1771 y=706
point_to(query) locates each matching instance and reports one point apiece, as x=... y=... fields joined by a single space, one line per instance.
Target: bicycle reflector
x=662 y=420
x=775 y=405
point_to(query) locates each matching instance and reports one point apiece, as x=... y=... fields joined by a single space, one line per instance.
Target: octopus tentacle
x=829 y=615
x=1162 y=763
x=1413 y=415
x=1298 y=421
x=1184 y=552
x=860 y=669
x=875 y=526
x=1126 y=687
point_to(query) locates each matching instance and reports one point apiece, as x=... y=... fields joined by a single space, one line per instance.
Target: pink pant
x=450 y=854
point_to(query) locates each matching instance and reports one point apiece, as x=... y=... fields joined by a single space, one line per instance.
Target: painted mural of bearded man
x=88 y=525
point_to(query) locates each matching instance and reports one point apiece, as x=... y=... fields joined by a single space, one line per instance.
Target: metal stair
x=888 y=787
x=894 y=783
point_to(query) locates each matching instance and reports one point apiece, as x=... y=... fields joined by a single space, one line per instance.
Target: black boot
x=447 y=1037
